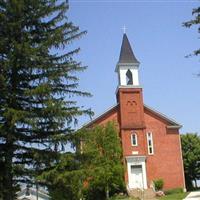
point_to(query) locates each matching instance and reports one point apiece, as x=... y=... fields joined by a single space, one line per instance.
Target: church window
x=150 y=143
x=134 y=139
x=129 y=77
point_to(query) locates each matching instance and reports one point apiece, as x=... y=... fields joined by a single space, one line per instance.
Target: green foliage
x=159 y=183
x=38 y=87
x=92 y=170
x=65 y=179
x=194 y=22
x=102 y=145
x=191 y=157
x=174 y=191
x=177 y=196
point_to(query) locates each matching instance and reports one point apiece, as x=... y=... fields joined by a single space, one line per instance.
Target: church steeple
x=126 y=53
x=127 y=66
x=129 y=93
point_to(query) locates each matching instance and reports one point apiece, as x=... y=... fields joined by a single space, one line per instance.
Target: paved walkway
x=193 y=196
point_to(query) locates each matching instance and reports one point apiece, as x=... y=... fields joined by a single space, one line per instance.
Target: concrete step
x=147 y=194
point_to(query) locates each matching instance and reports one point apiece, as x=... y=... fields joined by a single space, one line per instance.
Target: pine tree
x=65 y=181
x=38 y=86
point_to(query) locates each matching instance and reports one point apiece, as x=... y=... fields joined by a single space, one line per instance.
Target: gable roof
x=101 y=115
x=126 y=53
x=173 y=123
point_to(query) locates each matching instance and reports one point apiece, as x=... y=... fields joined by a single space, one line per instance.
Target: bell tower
x=127 y=66
x=129 y=92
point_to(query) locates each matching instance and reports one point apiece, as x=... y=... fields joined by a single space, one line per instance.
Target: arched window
x=134 y=141
x=129 y=77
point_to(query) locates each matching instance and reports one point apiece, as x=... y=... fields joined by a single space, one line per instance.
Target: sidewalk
x=193 y=196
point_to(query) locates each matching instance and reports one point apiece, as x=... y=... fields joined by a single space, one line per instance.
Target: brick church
x=150 y=140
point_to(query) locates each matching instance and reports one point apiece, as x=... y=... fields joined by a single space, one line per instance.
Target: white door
x=136 y=178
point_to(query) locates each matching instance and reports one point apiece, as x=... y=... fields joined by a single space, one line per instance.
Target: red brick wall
x=111 y=116
x=166 y=162
x=131 y=108
x=127 y=147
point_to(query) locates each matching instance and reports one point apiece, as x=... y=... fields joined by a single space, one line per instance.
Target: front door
x=136 y=177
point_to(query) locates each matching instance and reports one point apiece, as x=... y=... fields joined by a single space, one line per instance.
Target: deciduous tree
x=194 y=22
x=102 y=145
x=191 y=157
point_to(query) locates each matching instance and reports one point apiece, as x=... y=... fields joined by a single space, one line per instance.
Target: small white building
x=32 y=194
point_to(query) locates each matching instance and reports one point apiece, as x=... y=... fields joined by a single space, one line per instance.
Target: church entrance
x=136 y=168
x=136 y=179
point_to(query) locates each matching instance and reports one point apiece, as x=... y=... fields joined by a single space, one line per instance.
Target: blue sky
x=160 y=43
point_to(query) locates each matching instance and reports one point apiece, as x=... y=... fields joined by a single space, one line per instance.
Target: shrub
x=158 y=184
x=174 y=191
x=96 y=191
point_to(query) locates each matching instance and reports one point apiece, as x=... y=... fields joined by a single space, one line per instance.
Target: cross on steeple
x=124 y=29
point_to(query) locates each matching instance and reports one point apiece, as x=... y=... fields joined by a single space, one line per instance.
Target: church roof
x=126 y=53
x=96 y=118
x=172 y=123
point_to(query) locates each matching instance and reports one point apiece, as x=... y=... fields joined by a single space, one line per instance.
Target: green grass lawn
x=177 y=196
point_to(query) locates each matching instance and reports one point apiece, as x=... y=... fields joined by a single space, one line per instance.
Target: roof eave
x=126 y=64
x=174 y=127
x=172 y=121
x=99 y=116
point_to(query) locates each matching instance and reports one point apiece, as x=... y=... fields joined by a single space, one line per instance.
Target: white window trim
x=152 y=146
x=136 y=140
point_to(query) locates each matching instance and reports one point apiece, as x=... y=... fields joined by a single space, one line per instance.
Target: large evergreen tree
x=38 y=84
x=65 y=180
